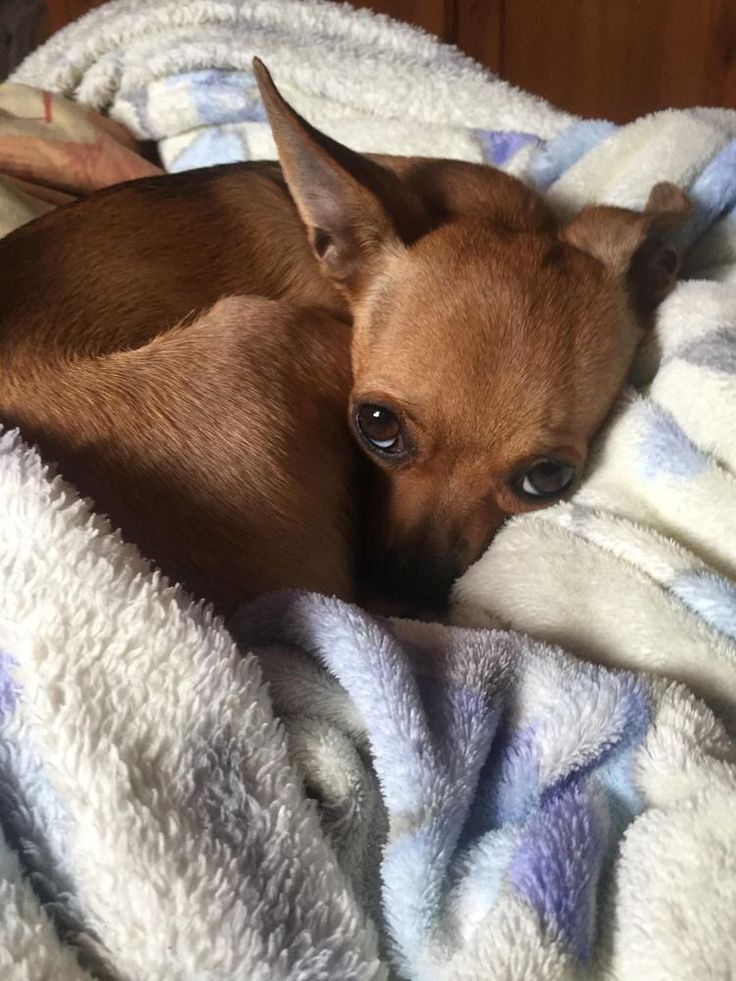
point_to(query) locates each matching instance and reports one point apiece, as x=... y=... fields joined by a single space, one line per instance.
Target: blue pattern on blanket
x=499 y=147
x=715 y=350
x=506 y=769
x=222 y=97
x=557 y=155
x=710 y=596
x=713 y=193
x=664 y=450
x=33 y=819
x=211 y=116
x=221 y=145
x=558 y=863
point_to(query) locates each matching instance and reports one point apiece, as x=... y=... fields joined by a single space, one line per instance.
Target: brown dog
x=487 y=346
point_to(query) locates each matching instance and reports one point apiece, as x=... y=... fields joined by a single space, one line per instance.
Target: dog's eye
x=545 y=479
x=380 y=427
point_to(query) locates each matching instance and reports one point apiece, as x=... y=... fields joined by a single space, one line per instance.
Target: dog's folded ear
x=349 y=204
x=635 y=244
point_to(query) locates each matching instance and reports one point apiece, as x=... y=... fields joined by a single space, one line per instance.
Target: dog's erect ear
x=635 y=243
x=344 y=198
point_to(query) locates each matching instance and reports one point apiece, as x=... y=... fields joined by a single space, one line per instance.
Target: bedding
x=53 y=150
x=544 y=788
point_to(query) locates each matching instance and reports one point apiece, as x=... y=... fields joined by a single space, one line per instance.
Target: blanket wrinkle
x=547 y=800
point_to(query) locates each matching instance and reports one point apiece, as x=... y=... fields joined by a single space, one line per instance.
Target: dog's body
x=197 y=439
x=483 y=339
x=217 y=441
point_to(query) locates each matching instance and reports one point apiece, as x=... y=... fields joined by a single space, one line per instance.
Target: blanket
x=344 y=797
x=469 y=789
x=53 y=150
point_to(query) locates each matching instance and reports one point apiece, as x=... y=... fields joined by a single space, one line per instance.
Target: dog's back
x=112 y=271
x=217 y=440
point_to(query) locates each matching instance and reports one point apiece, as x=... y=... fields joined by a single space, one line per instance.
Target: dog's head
x=489 y=342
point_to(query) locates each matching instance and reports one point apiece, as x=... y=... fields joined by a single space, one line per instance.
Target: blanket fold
x=509 y=772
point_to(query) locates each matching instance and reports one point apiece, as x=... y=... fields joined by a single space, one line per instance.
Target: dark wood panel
x=18 y=20
x=699 y=54
x=62 y=12
x=434 y=16
x=622 y=59
x=477 y=26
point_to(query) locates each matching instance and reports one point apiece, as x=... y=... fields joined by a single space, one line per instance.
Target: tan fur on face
x=520 y=357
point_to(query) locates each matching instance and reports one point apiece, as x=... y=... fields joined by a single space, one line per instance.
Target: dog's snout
x=421 y=575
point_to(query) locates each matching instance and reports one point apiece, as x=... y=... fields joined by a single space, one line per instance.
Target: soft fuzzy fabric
x=509 y=773
x=179 y=71
x=145 y=787
x=161 y=830
x=487 y=806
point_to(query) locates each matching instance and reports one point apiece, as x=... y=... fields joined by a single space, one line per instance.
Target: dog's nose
x=420 y=576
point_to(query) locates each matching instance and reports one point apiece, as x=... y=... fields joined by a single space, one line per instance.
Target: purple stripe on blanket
x=713 y=194
x=511 y=784
x=711 y=597
x=224 y=97
x=612 y=766
x=559 y=154
x=9 y=687
x=665 y=450
x=557 y=865
x=508 y=789
x=565 y=845
x=498 y=146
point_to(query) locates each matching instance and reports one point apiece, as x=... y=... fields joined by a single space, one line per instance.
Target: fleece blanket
x=469 y=789
x=403 y=800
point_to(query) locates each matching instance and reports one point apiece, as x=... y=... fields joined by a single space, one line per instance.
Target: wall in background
x=18 y=27
x=614 y=59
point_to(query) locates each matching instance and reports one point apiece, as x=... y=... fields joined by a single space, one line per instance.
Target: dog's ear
x=344 y=199
x=635 y=244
